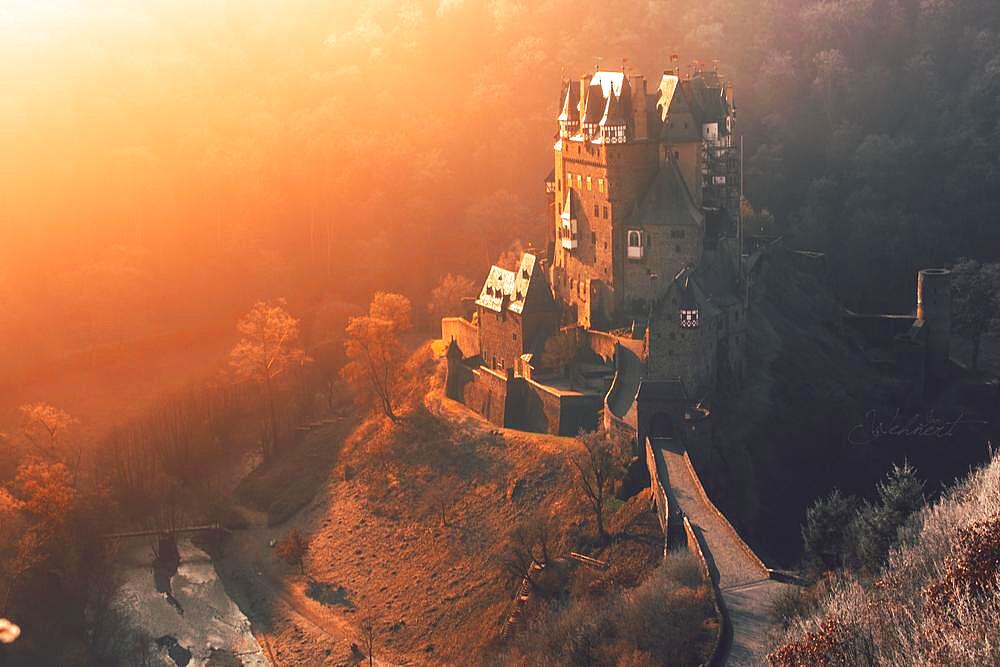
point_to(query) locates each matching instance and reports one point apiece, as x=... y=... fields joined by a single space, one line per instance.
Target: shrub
x=292 y=549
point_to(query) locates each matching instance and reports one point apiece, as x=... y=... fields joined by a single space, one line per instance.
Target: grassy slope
x=378 y=543
x=376 y=529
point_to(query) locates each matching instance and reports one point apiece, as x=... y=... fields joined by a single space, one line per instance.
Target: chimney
x=584 y=87
x=640 y=129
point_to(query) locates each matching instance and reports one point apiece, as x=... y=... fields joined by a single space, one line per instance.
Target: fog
x=163 y=164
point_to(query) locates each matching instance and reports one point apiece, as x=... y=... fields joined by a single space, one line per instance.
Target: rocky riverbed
x=186 y=613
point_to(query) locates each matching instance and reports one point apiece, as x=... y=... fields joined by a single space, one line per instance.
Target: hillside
x=423 y=525
x=377 y=530
x=936 y=602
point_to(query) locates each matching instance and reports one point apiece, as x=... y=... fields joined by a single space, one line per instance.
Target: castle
x=643 y=281
x=637 y=314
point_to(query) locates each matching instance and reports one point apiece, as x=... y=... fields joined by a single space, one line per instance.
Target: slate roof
x=716 y=275
x=667 y=201
x=688 y=292
x=497 y=289
x=594 y=104
x=614 y=113
x=509 y=290
x=570 y=109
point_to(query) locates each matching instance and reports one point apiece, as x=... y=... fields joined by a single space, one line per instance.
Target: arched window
x=635 y=249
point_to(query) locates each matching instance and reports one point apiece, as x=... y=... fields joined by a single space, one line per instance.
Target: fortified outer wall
x=480 y=389
x=463 y=332
x=517 y=402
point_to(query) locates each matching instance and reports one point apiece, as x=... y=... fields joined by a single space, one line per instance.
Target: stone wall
x=520 y=403
x=463 y=332
x=480 y=389
x=666 y=250
x=602 y=343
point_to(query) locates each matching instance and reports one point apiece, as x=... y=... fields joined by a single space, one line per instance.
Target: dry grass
x=435 y=587
x=936 y=603
x=668 y=619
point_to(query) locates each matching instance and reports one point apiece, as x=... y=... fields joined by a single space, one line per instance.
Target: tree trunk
x=389 y=412
x=599 y=512
x=273 y=419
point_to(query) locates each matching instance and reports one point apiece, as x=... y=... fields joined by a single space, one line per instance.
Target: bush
x=292 y=549
x=663 y=621
x=934 y=600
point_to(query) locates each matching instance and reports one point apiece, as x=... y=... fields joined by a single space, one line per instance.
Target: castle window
x=605 y=212
x=593 y=237
x=635 y=247
x=590 y=184
x=600 y=185
x=597 y=211
x=579 y=181
x=689 y=318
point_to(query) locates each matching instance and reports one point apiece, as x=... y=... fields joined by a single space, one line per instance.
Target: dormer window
x=635 y=247
x=689 y=318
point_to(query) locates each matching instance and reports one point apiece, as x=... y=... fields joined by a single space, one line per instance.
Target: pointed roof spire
x=613 y=112
x=571 y=104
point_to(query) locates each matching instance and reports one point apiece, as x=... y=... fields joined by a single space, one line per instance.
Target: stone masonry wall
x=463 y=332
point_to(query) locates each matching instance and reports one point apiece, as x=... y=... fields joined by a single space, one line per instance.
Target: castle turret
x=640 y=122
x=934 y=309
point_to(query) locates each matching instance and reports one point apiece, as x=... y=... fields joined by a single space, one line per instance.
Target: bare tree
x=369 y=629
x=531 y=541
x=43 y=425
x=269 y=347
x=596 y=470
x=446 y=297
x=375 y=352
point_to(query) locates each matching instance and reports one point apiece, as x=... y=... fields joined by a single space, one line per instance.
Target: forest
x=171 y=169
x=198 y=158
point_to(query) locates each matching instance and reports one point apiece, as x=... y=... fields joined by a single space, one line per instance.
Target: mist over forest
x=192 y=157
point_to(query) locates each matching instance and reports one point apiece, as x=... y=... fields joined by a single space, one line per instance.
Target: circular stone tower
x=934 y=308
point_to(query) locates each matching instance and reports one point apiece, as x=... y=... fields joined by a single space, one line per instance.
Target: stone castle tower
x=643 y=180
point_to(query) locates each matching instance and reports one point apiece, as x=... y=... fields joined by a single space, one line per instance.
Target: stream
x=181 y=604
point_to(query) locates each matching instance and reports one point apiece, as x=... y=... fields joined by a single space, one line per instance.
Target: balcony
x=569 y=242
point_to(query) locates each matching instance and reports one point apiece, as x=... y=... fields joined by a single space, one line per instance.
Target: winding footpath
x=745 y=584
